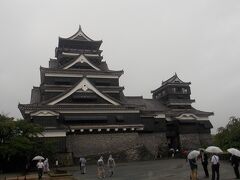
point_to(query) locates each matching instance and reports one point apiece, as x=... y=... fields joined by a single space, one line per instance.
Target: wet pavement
x=169 y=169
x=172 y=169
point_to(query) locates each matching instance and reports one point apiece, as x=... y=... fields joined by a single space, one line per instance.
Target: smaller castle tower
x=174 y=93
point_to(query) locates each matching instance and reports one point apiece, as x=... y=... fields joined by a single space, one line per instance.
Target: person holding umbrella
x=235 y=160
x=214 y=160
x=215 y=166
x=40 y=167
x=193 y=164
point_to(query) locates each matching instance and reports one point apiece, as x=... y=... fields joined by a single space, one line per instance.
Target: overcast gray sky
x=149 y=39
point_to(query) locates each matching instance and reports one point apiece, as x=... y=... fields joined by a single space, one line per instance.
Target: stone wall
x=95 y=144
x=189 y=141
x=64 y=159
x=92 y=144
x=205 y=140
x=155 y=143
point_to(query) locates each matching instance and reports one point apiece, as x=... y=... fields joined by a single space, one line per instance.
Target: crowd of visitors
x=215 y=165
x=100 y=166
x=192 y=157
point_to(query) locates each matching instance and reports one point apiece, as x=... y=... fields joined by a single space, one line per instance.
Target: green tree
x=228 y=137
x=19 y=141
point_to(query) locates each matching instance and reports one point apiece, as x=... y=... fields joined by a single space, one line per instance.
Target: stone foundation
x=155 y=143
x=189 y=141
x=205 y=140
x=92 y=144
x=125 y=143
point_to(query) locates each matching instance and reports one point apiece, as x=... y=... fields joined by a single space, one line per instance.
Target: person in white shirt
x=40 y=167
x=215 y=166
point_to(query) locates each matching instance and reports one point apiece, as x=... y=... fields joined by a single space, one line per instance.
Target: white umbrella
x=234 y=151
x=37 y=158
x=214 y=149
x=193 y=154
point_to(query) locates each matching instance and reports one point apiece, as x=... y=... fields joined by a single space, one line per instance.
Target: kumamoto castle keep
x=84 y=110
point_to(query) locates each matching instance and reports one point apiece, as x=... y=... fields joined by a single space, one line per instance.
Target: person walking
x=82 y=163
x=100 y=168
x=204 y=160
x=40 y=167
x=193 y=166
x=215 y=166
x=46 y=165
x=111 y=165
x=235 y=164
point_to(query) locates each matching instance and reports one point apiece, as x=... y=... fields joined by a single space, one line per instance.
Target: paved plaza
x=172 y=169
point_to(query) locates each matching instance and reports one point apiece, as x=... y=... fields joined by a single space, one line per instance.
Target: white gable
x=187 y=116
x=84 y=85
x=44 y=113
x=81 y=59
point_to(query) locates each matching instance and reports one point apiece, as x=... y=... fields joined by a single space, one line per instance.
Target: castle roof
x=172 y=80
x=79 y=36
x=79 y=40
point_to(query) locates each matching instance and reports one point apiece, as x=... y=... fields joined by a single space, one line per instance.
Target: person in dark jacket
x=204 y=160
x=235 y=164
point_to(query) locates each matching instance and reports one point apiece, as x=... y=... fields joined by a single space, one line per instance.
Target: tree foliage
x=229 y=136
x=19 y=142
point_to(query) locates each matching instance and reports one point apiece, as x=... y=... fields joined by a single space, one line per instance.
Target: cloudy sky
x=149 y=39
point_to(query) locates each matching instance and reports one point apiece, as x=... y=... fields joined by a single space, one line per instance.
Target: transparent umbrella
x=213 y=149
x=193 y=154
x=37 y=158
x=234 y=151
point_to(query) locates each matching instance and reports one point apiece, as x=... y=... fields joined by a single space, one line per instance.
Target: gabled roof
x=79 y=41
x=174 y=79
x=80 y=36
x=63 y=88
x=80 y=59
x=84 y=84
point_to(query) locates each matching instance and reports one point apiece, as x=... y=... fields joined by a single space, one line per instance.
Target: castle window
x=179 y=89
x=184 y=90
x=174 y=90
x=163 y=93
